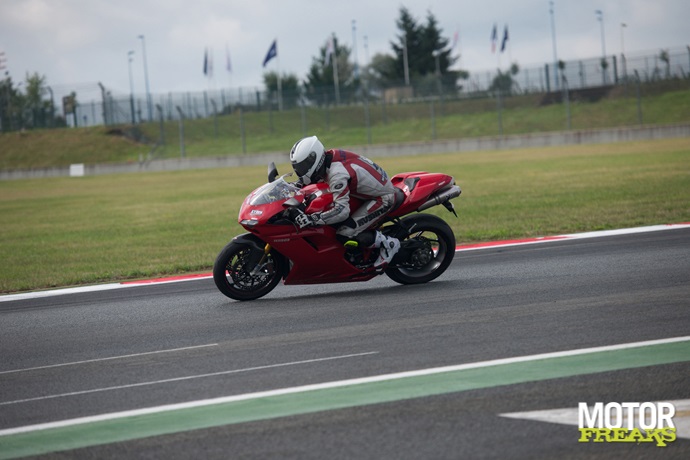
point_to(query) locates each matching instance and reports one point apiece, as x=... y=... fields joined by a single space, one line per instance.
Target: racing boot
x=388 y=247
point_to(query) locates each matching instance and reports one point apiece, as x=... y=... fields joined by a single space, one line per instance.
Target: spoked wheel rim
x=427 y=259
x=427 y=250
x=243 y=278
x=245 y=272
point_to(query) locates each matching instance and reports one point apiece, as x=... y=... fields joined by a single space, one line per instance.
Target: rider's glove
x=306 y=220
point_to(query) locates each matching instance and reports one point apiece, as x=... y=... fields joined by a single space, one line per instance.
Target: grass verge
x=342 y=126
x=70 y=231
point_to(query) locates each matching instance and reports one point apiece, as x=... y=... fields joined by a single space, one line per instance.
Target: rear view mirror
x=272 y=171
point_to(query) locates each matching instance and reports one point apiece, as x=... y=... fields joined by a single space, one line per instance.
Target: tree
x=666 y=59
x=36 y=107
x=11 y=105
x=428 y=56
x=380 y=67
x=321 y=78
x=407 y=48
x=289 y=86
x=604 y=65
x=35 y=87
x=561 y=66
x=504 y=82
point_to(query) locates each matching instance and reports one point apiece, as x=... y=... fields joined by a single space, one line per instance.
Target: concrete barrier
x=515 y=141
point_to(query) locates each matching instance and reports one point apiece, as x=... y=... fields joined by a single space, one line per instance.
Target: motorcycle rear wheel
x=432 y=259
x=237 y=280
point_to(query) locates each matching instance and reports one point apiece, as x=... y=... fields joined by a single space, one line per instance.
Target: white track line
x=572 y=236
x=171 y=350
x=335 y=384
x=179 y=379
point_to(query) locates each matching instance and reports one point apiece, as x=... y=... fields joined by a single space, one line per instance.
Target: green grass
x=344 y=126
x=70 y=231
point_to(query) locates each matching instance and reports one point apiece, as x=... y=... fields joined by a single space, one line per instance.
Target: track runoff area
x=657 y=422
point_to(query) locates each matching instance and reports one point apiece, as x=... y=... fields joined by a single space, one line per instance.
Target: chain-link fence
x=95 y=104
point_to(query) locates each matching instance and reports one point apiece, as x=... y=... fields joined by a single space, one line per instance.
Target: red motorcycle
x=253 y=263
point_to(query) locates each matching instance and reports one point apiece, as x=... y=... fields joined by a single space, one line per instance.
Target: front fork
x=260 y=263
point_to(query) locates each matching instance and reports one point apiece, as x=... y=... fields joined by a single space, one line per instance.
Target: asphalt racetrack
x=264 y=379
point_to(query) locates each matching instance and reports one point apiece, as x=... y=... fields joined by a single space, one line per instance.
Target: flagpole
x=273 y=53
x=407 y=68
x=336 y=82
x=505 y=44
x=228 y=66
x=280 y=86
x=456 y=44
x=212 y=76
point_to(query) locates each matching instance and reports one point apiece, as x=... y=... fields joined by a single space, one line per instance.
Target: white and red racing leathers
x=349 y=174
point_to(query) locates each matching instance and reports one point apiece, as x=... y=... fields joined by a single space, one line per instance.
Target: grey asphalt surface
x=490 y=304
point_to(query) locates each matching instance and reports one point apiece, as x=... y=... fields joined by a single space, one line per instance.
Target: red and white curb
x=459 y=248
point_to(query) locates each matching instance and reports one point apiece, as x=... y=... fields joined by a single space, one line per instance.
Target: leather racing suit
x=348 y=173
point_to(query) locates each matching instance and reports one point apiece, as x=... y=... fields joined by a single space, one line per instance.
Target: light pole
x=600 y=18
x=52 y=107
x=131 y=86
x=623 y=58
x=437 y=54
x=354 y=47
x=553 y=40
x=366 y=60
x=406 y=69
x=146 y=78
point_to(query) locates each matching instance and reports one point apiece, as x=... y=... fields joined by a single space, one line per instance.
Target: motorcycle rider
x=347 y=173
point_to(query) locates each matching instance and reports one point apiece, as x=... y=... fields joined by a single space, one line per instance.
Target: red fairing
x=423 y=185
x=315 y=255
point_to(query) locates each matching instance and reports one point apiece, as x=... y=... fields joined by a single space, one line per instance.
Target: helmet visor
x=302 y=168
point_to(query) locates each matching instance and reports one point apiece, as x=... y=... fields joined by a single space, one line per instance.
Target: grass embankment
x=68 y=231
x=343 y=126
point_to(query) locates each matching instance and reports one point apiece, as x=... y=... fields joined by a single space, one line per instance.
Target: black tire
x=429 y=262
x=234 y=278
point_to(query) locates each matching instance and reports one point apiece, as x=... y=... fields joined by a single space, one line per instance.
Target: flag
x=208 y=62
x=494 y=37
x=228 y=65
x=329 y=50
x=272 y=52
x=505 y=38
x=456 y=38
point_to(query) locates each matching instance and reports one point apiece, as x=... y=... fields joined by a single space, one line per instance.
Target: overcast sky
x=78 y=42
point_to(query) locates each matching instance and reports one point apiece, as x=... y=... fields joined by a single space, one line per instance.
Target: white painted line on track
x=133 y=355
x=189 y=377
x=63 y=291
x=569 y=416
x=571 y=236
x=461 y=248
x=336 y=384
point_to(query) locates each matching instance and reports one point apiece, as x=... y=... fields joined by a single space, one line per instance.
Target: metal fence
x=95 y=104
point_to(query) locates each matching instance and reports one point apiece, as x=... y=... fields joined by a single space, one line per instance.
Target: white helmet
x=308 y=159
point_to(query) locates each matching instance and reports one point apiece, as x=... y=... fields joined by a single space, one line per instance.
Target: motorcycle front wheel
x=428 y=249
x=239 y=277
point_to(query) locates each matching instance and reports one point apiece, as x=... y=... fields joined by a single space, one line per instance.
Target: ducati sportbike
x=276 y=248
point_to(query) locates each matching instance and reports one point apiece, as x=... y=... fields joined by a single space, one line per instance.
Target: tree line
x=420 y=60
x=27 y=107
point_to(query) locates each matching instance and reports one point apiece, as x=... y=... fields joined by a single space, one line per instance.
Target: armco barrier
x=548 y=139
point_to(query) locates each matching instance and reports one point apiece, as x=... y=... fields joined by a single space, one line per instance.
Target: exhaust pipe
x=440 y=197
